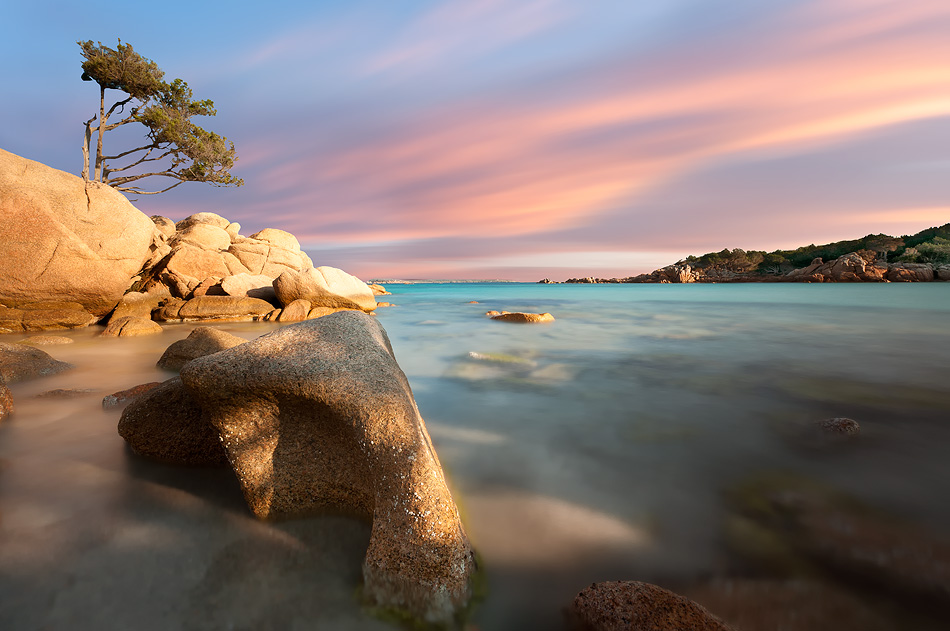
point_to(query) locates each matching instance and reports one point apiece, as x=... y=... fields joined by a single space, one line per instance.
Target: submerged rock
x=318 y=415
x=122 y=397
x=19 y=362
x=46 y=340
x=636 y=606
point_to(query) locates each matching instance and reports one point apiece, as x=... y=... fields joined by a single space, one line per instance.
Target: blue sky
x=527 y=138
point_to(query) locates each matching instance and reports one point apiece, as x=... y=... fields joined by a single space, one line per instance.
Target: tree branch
x=137 y=191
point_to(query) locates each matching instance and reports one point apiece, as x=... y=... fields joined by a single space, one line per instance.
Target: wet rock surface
x=19 y=362
x=122 y=397
x=637 y=606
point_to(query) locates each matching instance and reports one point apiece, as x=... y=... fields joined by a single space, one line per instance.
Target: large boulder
x=131 y=326
x=66 y=240
x=165 y=424
x=223 y=308
x=636 y=606
x=204 y=340
x=324 y=287
x=45 y=316
x=318 y=415
x=910 y=272
x=19 y=362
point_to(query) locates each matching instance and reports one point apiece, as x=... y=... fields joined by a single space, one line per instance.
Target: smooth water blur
x=598 y=447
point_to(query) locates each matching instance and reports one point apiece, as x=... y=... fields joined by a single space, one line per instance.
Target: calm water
x=598 y=447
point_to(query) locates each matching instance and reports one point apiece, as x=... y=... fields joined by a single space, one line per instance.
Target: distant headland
x=880 y=258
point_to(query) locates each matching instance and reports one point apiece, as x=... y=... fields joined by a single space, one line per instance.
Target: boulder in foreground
x=317 y=416
x=636 y=606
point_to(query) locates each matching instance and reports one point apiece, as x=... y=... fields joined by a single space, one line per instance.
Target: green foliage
x=928 y=246
x=120 y=69
x=176 y=147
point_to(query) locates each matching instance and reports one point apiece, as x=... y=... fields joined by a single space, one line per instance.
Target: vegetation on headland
x=930 y=246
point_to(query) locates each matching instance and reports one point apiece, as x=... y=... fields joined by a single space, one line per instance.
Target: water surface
x=598 y=447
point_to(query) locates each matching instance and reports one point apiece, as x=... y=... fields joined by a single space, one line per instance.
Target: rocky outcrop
x=636 y=606
x=855 y=267
x=166 y=424
x=324 y=287
x=131 y=326
x=204 y=340
x=521 y=318
x=318 y=415
x=63 y=240
x=379 y=290
x=44 y=316
x=19 y=362
x=910 y=272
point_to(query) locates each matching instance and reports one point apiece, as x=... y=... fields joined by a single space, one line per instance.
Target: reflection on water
x=608 y=445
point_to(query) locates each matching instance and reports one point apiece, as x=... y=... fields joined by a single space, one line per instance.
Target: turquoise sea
x=607 y=445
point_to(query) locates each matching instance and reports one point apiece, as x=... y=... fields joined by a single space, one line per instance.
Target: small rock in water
x=636 y=606
x=122 y=397
x=46 y=340
x=65 y=393
x=20 y=362
x=839 y=426
x=523 y=318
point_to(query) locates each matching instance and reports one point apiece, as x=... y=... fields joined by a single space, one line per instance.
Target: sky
x=524 y=139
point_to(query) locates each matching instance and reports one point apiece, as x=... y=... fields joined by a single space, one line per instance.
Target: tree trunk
x=87 y=138
x=102 y=126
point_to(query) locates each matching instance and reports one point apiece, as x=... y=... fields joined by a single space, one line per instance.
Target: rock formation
x=166 y=424
x=19 y=362
x=203 y=340
x=317 y=416
x=636 y=606
x=64 y=242
x=129 y=326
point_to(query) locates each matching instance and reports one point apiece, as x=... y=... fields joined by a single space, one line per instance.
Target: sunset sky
x=523 y=139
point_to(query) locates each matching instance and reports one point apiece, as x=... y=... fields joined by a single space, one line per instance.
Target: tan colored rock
x=204 y=340
x=210 y=286
x=168 y=310
x=203 y=235
x=385 y=304
x=165 y=424
x=318 y=415
x=224 y=308
x=296 y=311
x=136 y=304
x=278 y=238
x=279 y=261
x=6 y=400
x=636 y=606
x=272 y=316
x=65 y=240
x=234 y=265
x=164 y=225
x=305 y=261
x=211 y=219
x=255 y=286
x=131 y=326
x=324 y=287
x=251 y=254
x=378 y=290
x=122 y=397
x=523 y=318
x=178 y=286
x=233 y=230
x=319 y=312
x=20 y=362
x=44 y=316
x=194 y=264
x=46 y=340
